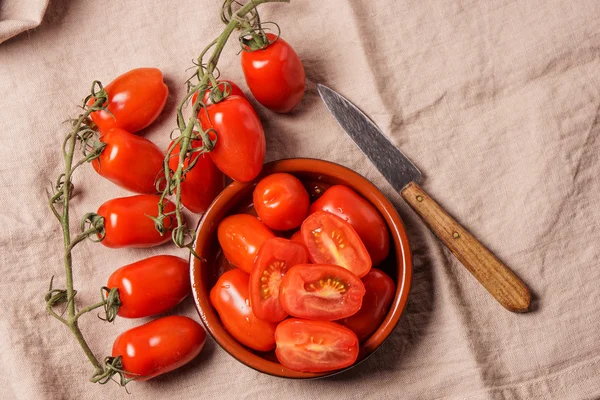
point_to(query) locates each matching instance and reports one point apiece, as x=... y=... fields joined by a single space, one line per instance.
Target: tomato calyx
x=114 y=366
x=112 y=302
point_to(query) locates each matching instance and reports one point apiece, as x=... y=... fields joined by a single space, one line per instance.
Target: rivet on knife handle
x=496 y=277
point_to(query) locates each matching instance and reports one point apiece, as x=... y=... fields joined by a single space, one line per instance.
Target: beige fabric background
x=497 y=101
x=17 y=16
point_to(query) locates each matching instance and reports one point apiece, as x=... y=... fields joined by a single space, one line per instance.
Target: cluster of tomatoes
x=275 y=76
x=322 y=277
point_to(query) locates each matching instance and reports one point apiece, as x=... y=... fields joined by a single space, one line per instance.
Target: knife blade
x=510 y=291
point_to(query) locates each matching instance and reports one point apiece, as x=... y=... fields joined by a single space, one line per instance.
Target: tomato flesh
x=320 y=292
x=362 y=215
x=168 y=276
x=331 y=240
x=240 y=237
x=274 y=258
x=315 y=346
x=230 y=298
x=380 y=290
x=159 y=346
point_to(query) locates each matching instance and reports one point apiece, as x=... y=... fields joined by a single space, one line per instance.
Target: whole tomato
x=135 y=99
x=281 y=201
x=233 y=90
x=380 y=290
x=240 y=148
x=275 y=75
x=130 y=161
x=159 y=346
x=202 y=183
x=240 y=237
x=362 y=215
x=151 y=286
x=230 y=297
x=126 y=221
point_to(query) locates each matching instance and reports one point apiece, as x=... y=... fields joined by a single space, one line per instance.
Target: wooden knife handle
x=496 y=277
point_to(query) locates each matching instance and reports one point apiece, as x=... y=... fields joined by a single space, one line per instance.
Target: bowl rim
x=397 y=234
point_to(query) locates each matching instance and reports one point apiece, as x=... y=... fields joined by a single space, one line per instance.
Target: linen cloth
x=17 y=16
x=496 y=101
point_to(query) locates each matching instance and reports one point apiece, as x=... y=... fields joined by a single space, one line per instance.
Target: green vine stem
x=246 y=18
x=92 y=227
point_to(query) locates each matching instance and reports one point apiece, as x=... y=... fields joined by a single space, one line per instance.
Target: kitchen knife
x=404 y=176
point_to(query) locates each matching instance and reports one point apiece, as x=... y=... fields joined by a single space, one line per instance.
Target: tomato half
x=362 y=215
x=240 y=237
x=331 y=240
x=126 y=222
x=275 y=257
x=151 y=286
x=130 y=161
x=281 y=201
x=233 y=90
x=380 y=290
x=240 y=148
x=135 y=100
x=159 y=346
x=202 y=183
x=320 y=292
x=275 y=75
x=315 y=346
x=230 y=298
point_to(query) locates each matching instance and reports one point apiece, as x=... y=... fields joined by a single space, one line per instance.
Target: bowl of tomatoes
x=303 y=272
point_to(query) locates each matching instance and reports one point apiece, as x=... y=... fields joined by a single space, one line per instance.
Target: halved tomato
x=274 y=258
x=315 y=346
x=321 y=292
x=331 y=240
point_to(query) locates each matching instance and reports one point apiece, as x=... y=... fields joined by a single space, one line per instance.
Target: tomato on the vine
x=130 y=161
x=281 y=201
x=135 y=99
x=240 y=237
x=315 y=346
x=232 y=90
x=127 y=222
x=151 y=286
x=240 y=148
x=202 y=183
x=331 y=240
x=320 y=292
x=231 y=299
x=275 y=75
x=379 y=292
x=362 y=215
x=275 y=257
x=159 y=346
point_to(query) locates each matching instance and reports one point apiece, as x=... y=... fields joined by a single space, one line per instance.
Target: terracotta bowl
x=316 y=175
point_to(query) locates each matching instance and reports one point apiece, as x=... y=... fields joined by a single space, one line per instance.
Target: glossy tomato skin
x=151 y=286
x=275 y=257
x=240 y=237
x=202 y=183
x=240 y=148
x=281 y=201
x=379 y=292
x=320 y=292
x=231 y=299
x=235 y=91
x=135 y=100
x=275 y=75
x=297 y=237
x=130 y=161
x=126 y=222
x=315 y=346
x=362 y=215
x=331 y=240
x=159 y=346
